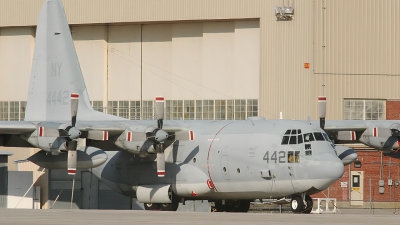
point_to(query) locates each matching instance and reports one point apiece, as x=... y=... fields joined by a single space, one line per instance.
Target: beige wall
x=16 y=52
x=359 y=60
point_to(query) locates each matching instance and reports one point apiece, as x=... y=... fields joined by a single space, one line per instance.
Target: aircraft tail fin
x=56 y=73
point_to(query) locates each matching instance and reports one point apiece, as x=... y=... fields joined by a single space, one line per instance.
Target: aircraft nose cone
x=331 y=169
x=334 y=167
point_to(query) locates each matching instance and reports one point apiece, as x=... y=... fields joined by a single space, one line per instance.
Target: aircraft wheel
x=309 y=206
x=297 y=204
x=238 y=206
x=151 y=206
x=218 y=207
x=169 y=206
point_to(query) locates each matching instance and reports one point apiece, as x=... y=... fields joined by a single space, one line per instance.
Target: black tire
x=297 y=204
x=151 y=206
x=218 y=207
x=238 y=206
x=309 y=206
x=173 y=206
x=169 y=206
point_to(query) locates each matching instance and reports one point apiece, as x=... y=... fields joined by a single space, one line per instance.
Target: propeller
x=73 y=135
x=322 y=111
x=159 y=136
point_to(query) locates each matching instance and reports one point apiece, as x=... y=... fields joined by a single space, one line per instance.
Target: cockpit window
x=318 y=136
x=299 y=139
x=326 y=137
x=292 y=137
x=285 y=140
x=293 y=140
x=308 y=137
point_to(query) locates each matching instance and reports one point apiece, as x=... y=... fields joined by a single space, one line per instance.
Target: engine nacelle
x=380 y=138
x=47 y=137
x=347 y=155
x=135 y=141
x=87 y=157
x=158 y=193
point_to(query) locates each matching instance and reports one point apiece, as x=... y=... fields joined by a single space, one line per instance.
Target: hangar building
x=218 y=59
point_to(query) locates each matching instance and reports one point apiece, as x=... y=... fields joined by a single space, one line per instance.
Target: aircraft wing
x=16 y=127
x=379 y=134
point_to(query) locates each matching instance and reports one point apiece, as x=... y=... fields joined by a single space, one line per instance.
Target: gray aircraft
x=164 y=162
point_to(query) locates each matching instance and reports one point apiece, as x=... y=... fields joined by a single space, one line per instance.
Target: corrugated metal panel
x=19 y=12
x=285 y=47
x=25 y=12
x=361 y=56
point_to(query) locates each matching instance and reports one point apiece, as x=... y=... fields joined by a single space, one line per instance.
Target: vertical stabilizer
x=56 y=72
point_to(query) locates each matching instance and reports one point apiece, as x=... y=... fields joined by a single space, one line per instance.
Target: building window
x=174 y=109
x=112 y=108
x=123 y=109
x=208 y=109
x=220 y=109
x=188 y=107
x=199 y=110
x=14 y=111
x=147 y=110
x=22 y=110
x=134 y=110
x=240 y=109
x=98 y=105
x=364 y=109
x=252 y=107
x=4 y=111
x=229 y=110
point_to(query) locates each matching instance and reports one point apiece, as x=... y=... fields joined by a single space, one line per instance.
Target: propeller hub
x=161 y=136
x=74 y=133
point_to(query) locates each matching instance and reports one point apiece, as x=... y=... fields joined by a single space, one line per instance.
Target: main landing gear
x=301 y=204
x=231 y=206
x=162 y=206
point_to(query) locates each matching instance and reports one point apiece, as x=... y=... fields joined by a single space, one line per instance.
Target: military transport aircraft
x=163 y=162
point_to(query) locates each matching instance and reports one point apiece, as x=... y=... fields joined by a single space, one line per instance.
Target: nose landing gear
x=301 y=204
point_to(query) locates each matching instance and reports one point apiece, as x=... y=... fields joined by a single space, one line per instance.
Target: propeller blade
x=382 y=132
x=160 y=160
x=72 y=159
x=184 y=135
x=51 y=132
x=159 y=110
x=136 y=136
x=74 y=108
x=97 y=135
x=322 y=110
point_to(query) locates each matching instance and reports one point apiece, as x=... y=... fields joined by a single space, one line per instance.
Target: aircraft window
x=297 y=156
x=291 y=137
x=290 y=157
x=318 y=136
x=308 y=137
x=285 y=140
x=299 y=139
x=293 y=140
x=308 y=149
x=326 y=137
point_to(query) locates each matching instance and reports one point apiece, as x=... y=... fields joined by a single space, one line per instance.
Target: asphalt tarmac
x=135 y=217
